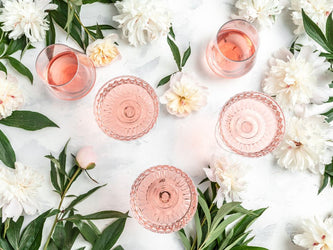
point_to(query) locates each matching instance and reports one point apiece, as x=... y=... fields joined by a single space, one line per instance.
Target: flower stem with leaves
x=180 y=61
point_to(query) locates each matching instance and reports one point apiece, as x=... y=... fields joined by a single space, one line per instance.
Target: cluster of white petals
x=103 y=51
x=25 y=17
x=317 y=235
x=184 y=95
x=263 y=12
x=298 y=80
x=19 y=189
x=317 y=10
x=306 y=145
x=142 y=21
x=228 y=174
x=11 y=97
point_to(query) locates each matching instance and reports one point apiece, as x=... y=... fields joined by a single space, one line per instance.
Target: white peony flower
x=19 y=190
x=184 y=95
x=142 y=21
x=103 y=51
x=306 y=145
x=11 y=97
x=318 y=234
x=25 y=17
x=317 y=10
x=263 y=12
x=298 y=80
x=228 y=174
x=86 y=158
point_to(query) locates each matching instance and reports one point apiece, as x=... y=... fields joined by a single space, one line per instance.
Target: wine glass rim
x=146 y=86
x=256 y=45
x=279 y=134
x=76 y=58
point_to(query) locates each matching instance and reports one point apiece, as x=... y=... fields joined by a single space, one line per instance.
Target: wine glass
x=69 y=74
x=163 y=199
x=126 y=108
x=232 y=53
x=251 y=124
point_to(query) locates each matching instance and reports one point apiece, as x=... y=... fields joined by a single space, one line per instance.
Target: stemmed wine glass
x=163 y=199
x=251 y=124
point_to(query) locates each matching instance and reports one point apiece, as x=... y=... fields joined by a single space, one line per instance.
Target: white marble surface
x=185 y=143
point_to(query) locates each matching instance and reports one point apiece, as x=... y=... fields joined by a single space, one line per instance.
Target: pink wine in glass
x=163 y=199
x=126 y=108
x=251 y=124
x=69 y=73
x=233 y=52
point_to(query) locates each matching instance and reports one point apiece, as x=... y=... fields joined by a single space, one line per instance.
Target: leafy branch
x=223 y=228
x=67 y=16
x=68 y=224
x=180 y=61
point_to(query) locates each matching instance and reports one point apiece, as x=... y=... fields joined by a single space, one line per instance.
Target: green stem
x=56 y=219
x=84 y=27
x=7 y=222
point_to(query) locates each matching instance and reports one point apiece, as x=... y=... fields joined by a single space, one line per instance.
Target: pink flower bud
x=86 y=158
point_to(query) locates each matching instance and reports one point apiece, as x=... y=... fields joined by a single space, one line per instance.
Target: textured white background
x=185 y=143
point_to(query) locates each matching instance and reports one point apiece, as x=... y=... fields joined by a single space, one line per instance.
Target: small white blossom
x=298 y=80
x=25 y=17
x=11 y=97
x=317 y=10
x=86 y=158
x=184 y=95
x=263 y=12
x=306 y=145
x=142 y=21
x=103 y=51
x=317 y=235
x=228 y=174
x=19 y=189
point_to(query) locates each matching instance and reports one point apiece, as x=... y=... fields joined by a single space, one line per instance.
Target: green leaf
x=164 y=80
x=28 y=120
x=223 y=211
x=118 y=248
x=86 y=231
x=101 y=26
x=16 y=45
x=3 y=68
x=330 y=99
x=324 y=183
x=2 y=48
x=175 y=52
x=50 y=33
x=227 y=239
x=82 y=197
x=186 y=55
x=71 y=235
x=99 y=33
x=62 y=166
x=171 y=33
x=7 y=154
x=59 y=235
x=110 y=235
x=206 y=211
x=13 y=232
x=315 y=32
x=329 y=115
x=54 y=177
x=32 y=235
x=198 y=228
x=99 y=1
x=4 y=245
x=184 y=239
x=99 y=215
x=20 y=68
x=238 y=240
x=329 y=29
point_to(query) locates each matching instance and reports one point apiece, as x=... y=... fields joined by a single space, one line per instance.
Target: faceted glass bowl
x=126 y=108
x=251 y=124
x=163 y=199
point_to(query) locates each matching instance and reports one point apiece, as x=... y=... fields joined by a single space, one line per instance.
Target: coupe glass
x=251 y=124
x=232 y=53
x=163 y=199
x=68 y=73
x=126 y=108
